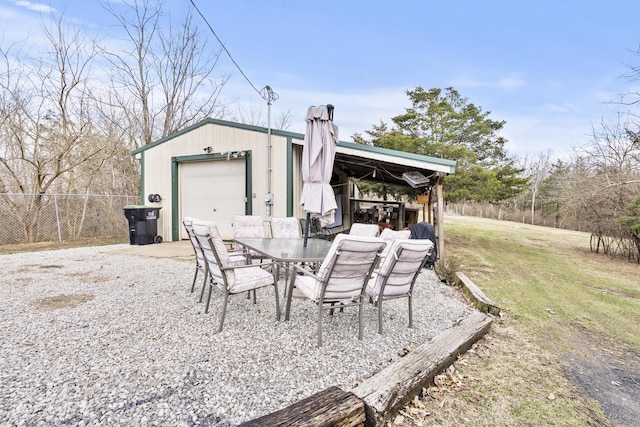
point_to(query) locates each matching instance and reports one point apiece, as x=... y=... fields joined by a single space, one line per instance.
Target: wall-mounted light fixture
x=415 y=179
x=233 y=154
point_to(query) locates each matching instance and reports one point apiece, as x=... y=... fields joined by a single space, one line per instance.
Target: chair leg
x=360 y=327
x=286 y=274
x=195 y=276
x=319 y=325
x=380 y=315
x=289 y=290
x=275 y=286
x=254 y=297
x=206 y=308
x=410 y=312
x=224 y=310
x=340 y=307
x=204 y=285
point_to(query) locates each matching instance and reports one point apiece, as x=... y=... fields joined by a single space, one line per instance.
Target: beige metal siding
x=278 y=175
x=297 y=181
x=157 y=166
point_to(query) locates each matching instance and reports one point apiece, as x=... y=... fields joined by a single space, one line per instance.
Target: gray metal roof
x=356 y=160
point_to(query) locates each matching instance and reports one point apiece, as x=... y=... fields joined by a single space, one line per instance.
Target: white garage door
x=213 y=190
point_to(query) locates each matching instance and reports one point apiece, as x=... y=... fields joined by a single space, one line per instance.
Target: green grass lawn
x=548 y=278
x=561 y=306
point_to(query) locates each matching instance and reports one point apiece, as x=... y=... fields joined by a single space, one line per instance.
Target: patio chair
x=389 y=235
x=398 y=272
x=237 y=258
x=225 y=277
x=341 y=279
x=316 y=231
x=360 y=229
x=200 y=263
x=285 y=228
x=250 y=226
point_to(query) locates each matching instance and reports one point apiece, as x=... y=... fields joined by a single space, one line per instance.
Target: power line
x=266 y=93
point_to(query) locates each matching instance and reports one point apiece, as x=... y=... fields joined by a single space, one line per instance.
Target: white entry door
x=212 y=190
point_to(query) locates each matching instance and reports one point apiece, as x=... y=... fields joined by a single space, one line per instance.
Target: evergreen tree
x=443 y=124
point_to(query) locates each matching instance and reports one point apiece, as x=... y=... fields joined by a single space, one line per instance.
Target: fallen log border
x=330 y=407
x=392 y=388
x=477 y=297
x=382 y=395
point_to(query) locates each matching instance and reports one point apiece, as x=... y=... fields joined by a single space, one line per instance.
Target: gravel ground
x=91 y=337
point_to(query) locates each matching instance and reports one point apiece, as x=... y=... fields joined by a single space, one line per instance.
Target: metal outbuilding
x=215 y=169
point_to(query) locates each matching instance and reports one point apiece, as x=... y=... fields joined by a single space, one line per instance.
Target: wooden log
x=330 y=407
x=439 y=223
x=389 y=390
x=475 y=294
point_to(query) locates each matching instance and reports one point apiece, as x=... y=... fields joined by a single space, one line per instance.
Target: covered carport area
x=355 y=162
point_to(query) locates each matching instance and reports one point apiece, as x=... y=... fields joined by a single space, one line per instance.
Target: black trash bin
x=143 y=224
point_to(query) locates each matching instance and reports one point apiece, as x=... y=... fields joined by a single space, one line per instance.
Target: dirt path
x=606 y=373
x=506 y=380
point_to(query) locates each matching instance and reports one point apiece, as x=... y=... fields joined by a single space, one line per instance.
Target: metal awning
x=387 y=166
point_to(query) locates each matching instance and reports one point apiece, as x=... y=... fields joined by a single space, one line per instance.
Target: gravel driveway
x=98 y=336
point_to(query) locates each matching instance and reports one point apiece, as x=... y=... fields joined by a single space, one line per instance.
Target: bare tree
x=48 y=137
x=536 y=169
x=609 y=181
x=252 y=114
x=283 y=120
x=255 y=115
x=166 y=80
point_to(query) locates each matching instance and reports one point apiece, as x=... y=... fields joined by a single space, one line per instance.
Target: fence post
x=55 y=204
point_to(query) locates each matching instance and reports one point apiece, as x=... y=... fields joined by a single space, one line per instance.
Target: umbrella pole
x=306 y=229
x=330 y=109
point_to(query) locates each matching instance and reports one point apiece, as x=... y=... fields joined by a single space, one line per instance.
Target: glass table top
x=289 y=250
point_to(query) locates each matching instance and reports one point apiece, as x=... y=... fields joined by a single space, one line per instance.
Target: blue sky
x=550 y=69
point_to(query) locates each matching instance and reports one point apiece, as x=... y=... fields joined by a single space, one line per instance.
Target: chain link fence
x=31 y=218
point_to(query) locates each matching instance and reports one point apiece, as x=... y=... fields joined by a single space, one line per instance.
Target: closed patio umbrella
x=318 y=155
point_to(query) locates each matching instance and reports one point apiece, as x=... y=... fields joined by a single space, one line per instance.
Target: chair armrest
x=238 y=252
x=304 y=271
x=262 y=264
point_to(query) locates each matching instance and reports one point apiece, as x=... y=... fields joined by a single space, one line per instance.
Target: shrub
x=446 y=269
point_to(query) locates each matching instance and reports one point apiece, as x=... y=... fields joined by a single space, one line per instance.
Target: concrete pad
x=177 y=250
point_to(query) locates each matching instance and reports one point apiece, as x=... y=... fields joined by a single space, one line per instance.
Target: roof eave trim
x=220 y=122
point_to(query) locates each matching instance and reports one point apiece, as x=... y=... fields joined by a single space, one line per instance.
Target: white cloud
x=354 y=111
x=560 y=108
x=36 y=7
x=508 y=82
x=6 y=13
x=534 y=134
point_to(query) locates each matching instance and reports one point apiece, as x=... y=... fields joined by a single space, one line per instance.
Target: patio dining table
x=288 y=251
